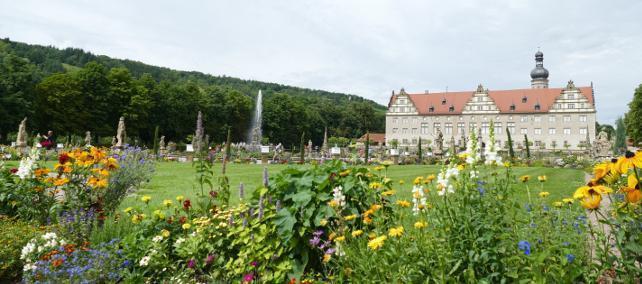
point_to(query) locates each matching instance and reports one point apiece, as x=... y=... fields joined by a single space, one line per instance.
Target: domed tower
x=539 y=74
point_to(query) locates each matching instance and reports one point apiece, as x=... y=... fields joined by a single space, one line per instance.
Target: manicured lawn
x=172 y=179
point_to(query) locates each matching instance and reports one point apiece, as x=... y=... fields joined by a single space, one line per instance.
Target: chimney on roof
x=427 y=92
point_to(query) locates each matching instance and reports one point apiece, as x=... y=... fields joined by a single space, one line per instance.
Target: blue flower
x=524 y=246
x=570 y=257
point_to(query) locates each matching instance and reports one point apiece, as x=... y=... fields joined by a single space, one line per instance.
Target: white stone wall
x=553 y=128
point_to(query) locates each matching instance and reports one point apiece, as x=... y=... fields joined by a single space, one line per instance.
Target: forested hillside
x=72 y=91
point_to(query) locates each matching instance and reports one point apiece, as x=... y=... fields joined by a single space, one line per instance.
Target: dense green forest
x=72 y=91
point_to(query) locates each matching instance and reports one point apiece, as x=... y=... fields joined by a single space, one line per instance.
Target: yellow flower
x=180 y=198
x=345 y=172
x=326 y=257
x=333 y=203
x=632 y=190
x=420 y=225
x=387 y=163
x=61 y=181
x=544 y=194
x=367 y=220
x=146 y=198
x=167 y=203
x=418 y=180
x=558 y=204
x=583 y=191
x=542 y=178
x=388 y=193
x=159 y=214
x=165 y=233
x=601 y=170
x=136 y=218
x=41 y=172
x=378 y=168
x=629 y=160
x=323 y=222
x=429 y=179
x=507 y=164
x=357 y=233
x=403 y=203
x=396 y=232
x=128 y=209
x=460 y=167
x=375 y=185
x=350 y=217
x=568 y=200
x=332 y=236
x=340 y=239
x=401 y=182
x=592 y=199
x=110 y=163
x=525 y=178
x=186 y=226
x=377 y=242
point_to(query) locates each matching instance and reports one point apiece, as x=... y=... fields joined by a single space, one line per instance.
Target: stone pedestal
x=335 y=152
x=394 y=153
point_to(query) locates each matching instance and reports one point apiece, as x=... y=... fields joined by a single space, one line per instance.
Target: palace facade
x=552 y=118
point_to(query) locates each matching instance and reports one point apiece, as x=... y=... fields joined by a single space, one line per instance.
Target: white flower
x=338 y=196
x=27 y=249
x=179 y=241
x=49 y=236
x=28 y=267
x=418 y=199
x=144 y=261
x=157 y=239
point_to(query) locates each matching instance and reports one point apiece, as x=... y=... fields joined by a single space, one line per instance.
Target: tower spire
x=539 y=75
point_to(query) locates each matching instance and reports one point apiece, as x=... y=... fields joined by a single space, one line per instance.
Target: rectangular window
x=484 y=127
x=449 y=128
x=538 y=131
x=551 y=131
x=498 y=128
x=567 y=118
x=567 y=131
x=571 y=96
x=424 y=128
x=571 y=106
x=472 y=126
x=404 y=131
x=405 y=121
x=404 y=141
x=414 y=141
x=414 y=120
x=583 y=131
x=511 y=127
x=523 y=118
x=461 y=126
x=415 y=131
x=551 y=118
x=538 y=143
x=582 y=118
x=537 y=118
x=394 y=130
x=523 y=131
x=394 y=120
x=437 y=127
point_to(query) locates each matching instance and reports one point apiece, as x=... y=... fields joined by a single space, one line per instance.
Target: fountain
x=255 y=135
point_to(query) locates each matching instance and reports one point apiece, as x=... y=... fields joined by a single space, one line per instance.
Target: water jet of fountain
x=255 y=134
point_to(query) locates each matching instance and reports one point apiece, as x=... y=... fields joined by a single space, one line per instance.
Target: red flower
x=187 y=204
x=213 y=194
x=182 y=220
x=63 y=158
x=13 y=171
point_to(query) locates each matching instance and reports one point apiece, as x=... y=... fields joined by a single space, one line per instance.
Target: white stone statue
x=120 y=134
x=21 y=140
x=88 y=138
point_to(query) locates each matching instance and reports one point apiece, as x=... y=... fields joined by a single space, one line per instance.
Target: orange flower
x=632 y=190
x=110 y=163
x=57 y=262
x=60 y=181
x=41 y=172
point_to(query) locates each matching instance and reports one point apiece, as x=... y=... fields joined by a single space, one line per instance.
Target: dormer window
x=431 y=109
x=537 y=107
x=524 y=99
x=443 y=101
x=451 y=108
x=512 y=107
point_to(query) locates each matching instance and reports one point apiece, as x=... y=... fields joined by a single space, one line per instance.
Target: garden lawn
x=173 y=178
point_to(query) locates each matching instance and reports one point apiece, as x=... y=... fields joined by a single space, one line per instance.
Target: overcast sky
x=367 y=48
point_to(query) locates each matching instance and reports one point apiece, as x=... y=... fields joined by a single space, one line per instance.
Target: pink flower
x=248 y=277
x=191 y=263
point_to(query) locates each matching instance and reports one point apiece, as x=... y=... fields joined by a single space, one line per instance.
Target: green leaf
x=302 y=198
x=284 y=221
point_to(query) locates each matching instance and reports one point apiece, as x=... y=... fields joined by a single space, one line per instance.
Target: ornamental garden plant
x=473 y=221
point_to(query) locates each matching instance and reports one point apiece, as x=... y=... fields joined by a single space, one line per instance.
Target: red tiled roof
x=545 y=97
x=374 y=137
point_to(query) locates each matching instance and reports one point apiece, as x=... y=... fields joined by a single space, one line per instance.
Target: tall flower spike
x=241 y=191
x=278 y=205
x=265 y=177
x=261 y=207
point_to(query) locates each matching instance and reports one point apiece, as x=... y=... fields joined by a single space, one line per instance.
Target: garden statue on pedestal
x=439 y=143
x=453 y=146
x=88 y=139
x=324 y=147
x=21 y=140
x=602 y=146
x=197 y=140
x=162 y=150
x=120 y=134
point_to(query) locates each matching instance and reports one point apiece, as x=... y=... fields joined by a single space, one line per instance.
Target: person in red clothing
x=48 y=142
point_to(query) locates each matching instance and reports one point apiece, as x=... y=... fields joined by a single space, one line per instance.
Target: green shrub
x=14 y=234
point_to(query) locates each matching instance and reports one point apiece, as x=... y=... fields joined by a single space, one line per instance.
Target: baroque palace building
x=552 y=118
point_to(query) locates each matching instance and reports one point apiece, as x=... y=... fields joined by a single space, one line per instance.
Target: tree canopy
x=72 y=91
